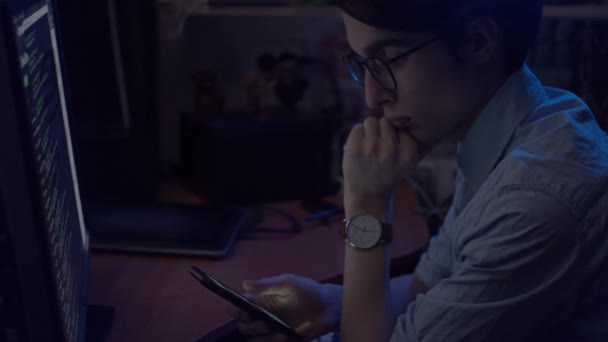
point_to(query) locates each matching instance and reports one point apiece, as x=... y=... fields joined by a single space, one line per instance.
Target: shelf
x=591 y=12
x=275 y=11
x=257 y=11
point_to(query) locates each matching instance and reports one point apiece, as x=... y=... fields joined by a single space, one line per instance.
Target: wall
x=230 y=45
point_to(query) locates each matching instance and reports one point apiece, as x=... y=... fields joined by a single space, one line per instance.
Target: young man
x=523 y=253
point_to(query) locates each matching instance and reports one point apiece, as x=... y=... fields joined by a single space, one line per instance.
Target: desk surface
x=156 y=299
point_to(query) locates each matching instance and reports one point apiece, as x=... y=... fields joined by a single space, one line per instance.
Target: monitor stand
x=99 y=323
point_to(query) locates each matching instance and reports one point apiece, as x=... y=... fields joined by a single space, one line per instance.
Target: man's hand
x=377 y=156
x=310 y=308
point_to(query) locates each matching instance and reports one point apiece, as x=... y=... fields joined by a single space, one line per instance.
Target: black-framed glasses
x=379 y=68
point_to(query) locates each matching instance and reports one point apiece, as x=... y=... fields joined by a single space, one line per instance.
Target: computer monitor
x=44 y=254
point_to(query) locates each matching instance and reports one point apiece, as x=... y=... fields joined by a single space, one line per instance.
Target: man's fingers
x=259 y=286
x=268 y=286
x=239 y=314
x=355 y=138
x=304 y=329
x=387 y=130
x=408 y=147
x=389 y=138
x=271 y=303
x=372 y=129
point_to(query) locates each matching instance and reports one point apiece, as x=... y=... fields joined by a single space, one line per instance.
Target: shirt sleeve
x=514 y=275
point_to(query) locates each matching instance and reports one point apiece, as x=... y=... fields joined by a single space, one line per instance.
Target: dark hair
x=517 y=20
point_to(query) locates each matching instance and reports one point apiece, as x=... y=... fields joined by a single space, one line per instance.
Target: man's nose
x=376 y=96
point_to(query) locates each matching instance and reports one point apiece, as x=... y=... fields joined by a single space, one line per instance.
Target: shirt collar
x=489 y=135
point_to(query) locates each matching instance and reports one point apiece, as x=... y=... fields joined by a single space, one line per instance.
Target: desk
x=156 y=299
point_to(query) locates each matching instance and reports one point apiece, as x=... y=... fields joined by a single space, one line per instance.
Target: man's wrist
x=378 y=206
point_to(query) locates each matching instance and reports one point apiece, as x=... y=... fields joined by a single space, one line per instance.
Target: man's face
x=435 y=97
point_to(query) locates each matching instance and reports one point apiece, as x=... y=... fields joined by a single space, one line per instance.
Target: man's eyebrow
x=378 y=45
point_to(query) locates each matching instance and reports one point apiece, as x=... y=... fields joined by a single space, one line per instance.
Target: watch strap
x=387 y=232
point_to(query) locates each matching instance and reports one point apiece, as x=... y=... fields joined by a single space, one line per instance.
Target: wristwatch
x=365 y=231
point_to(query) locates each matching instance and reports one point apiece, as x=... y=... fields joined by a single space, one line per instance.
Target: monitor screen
x=44 y=139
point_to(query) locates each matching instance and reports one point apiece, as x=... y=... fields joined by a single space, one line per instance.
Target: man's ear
x=481 y=41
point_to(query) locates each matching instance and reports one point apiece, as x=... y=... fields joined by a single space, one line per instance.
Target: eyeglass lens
x=376 y=67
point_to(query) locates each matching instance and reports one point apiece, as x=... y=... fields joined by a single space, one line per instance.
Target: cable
x=257 y=215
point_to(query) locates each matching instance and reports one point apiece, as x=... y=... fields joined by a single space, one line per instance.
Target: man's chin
x=426 y=145
x=422 y=144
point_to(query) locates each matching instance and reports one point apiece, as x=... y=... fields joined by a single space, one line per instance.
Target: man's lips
x=401 y=123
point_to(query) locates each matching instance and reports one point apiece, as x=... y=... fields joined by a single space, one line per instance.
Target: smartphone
x=256 y=311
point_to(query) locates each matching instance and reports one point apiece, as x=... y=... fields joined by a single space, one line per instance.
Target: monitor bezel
x=24 y=209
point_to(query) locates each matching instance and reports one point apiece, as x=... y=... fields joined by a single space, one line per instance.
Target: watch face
x=364 y=231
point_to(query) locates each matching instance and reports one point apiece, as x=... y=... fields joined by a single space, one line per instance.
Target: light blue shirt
x=523 y=252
